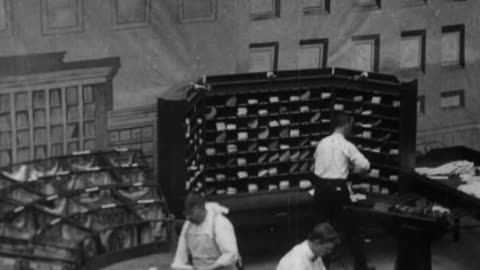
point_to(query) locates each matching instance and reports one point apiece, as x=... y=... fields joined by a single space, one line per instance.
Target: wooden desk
x=414 y=233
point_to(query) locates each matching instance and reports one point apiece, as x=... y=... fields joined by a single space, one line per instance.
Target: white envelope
x=376 y=100
x=325 y=95
x=294 y=98
x=242 y=111
x=274 y=99
x=220 y=126
x=284 y=122
x=304 y=109
x=358 y=98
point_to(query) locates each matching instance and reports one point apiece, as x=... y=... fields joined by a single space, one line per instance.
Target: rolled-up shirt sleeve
x=292 y=263
x=226 y=241
x=357 y=159
x=181 y=255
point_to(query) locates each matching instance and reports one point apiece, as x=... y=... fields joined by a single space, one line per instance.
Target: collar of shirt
x=212 y=210
x=309 y=252
x=338 y=134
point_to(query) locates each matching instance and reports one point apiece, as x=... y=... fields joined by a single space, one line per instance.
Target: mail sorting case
x=253 y=136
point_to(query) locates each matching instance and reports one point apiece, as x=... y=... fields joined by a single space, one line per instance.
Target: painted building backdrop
x=165 y=44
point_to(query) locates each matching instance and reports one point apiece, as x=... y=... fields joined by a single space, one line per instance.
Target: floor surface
x=447 y=255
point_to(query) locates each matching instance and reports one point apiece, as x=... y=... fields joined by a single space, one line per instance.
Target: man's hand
x=360 y=171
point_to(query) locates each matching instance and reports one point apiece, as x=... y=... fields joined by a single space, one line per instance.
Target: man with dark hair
x=207 y=240
x=307 y=255
x=335 y=158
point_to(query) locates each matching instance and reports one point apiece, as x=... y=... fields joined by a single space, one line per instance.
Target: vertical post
x=408 y=134
x=171 y=152
x=414 y=250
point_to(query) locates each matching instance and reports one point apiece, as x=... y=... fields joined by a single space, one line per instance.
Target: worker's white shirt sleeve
x=226 y=241
x=300 y=258
x=357 y=159
x=294 y=263
x=181 y=255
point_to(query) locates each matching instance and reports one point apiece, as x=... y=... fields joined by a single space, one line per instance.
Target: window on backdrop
x=190 y=11
x=413 y=50
x=131 y=13
x=263 y=57
x=62 y=16
x=367 y=4
x=452 y=99
x=264 y=9
x=453 y=46
x=313 y=53
x=365 y=53
x=315 y=7
x=407 y=3
x=421 y=105
x=5 y=17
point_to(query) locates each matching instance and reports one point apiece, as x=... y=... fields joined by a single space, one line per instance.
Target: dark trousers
x=330 y=198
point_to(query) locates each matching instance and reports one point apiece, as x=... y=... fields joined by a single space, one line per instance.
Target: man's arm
x=292 y=263
x=181 y=255
x=226 y=241
x=357 y=159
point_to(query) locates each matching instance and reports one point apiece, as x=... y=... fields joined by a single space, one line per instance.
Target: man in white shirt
x=207 y=240
x=335 y=159
x=308 y=255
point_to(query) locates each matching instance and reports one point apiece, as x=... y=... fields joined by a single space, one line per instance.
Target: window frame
x=274 y=13
x=323 y=42
x=319 y=10
x=421 y=100
x=47 y=30
x=460 y=28
x=7 y=31
x=374 y=39
x=265 y=45
x=211 y=18
x=129 y=25
x=375 y=4
x=422 y=35
x=452 y=93
x=413 y=3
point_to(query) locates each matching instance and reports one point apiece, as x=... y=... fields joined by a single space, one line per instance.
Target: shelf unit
x=49 y=107
x=65 y=200
x=223 y=137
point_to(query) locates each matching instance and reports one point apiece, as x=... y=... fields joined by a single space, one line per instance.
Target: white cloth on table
x=224 y=236
x=451 y=168
x=468 y=178
x=301 y=257
x=334 y=156
x=472 y=189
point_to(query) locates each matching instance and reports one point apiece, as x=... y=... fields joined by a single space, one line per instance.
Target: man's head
x=195 y=210
x=323 y=239
x=343 y=123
